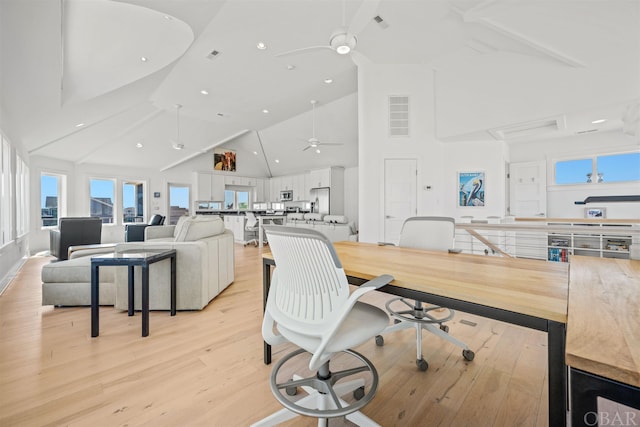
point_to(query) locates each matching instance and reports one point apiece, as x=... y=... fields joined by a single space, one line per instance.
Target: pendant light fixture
x=176 y=144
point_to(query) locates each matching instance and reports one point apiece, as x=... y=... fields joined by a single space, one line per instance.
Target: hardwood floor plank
x=204 y=368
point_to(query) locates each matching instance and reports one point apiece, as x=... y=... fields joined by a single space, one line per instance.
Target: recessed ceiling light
x=204 y=92
x=277 y=161
x=318 y=150
x=291 y=67
x=79 y=125
x=139 y=145
x=328 y=81
x=261 y=46
x=265 y=111
x=143 y=58
x=168 y=17
x=595 y=122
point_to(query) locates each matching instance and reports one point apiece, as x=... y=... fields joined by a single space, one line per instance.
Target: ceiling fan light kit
x=314 y=142
x=342 y=42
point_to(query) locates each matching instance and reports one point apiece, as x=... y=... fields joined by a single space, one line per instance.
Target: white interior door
x=528 y=189
x=400 y=185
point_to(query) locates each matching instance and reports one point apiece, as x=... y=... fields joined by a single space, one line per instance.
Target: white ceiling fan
x=314 y=142
x=344 y=39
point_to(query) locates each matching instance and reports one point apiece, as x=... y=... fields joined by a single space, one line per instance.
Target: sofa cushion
x=76 y=270
x=199 y=227
x=177 y=230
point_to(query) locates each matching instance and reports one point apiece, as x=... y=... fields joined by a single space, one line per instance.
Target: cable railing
x=549 y=238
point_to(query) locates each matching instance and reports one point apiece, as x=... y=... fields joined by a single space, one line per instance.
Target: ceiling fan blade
x=360 y=58
x=331 y=143
x=302 y=49
x=363 y=16
x=306 y=148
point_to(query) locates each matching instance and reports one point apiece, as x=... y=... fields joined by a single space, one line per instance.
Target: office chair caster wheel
x=379 y=340
x=468 y=355
x=422 y=364
x=444 y=328
x=291 y=391
x=358 y=393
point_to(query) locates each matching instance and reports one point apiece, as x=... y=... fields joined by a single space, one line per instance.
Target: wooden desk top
x=604 y=305
x=530 y=287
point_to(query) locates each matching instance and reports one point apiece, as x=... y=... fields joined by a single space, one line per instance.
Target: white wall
x=438 y=163
x=561 y=198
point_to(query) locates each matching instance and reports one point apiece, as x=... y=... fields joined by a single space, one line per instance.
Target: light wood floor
x=205 y=368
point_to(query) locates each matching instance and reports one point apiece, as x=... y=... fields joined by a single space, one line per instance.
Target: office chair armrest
x=378 y=282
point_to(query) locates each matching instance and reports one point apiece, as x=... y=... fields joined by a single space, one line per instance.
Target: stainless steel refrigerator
x=319 y=198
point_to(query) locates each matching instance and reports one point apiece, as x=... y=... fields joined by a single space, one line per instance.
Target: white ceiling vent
x=529 y=129
x=213 y=54
x=398 y=116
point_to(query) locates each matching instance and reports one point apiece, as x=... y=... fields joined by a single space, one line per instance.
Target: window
x=236 y=199
x=22 y=197
x=5 y=192
x=132 y=202
x=49 y=199
x=178 y=202
x=101 y=192
x=607 y=168
x=574 y=171
x=618 y=167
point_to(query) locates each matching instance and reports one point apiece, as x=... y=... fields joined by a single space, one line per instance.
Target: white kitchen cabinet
x=258 y=190
x=236 y=180
x=300 y=187
x=275 y=188
x=320 y=178
x=209 y=187
x=286 y=182
x=235 y=223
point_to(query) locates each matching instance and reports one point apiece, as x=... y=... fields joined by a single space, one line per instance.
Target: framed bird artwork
x=471 y=189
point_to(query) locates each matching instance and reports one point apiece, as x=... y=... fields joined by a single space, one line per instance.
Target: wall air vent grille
x=398 y=115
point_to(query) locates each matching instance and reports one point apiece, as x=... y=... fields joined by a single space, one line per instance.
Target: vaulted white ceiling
x=75 y=85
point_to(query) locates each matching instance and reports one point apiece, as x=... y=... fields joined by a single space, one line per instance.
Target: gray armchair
x=73 y=231
x=135 y=232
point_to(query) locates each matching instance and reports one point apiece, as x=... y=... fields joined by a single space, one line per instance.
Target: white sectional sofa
x=335 y=227
x=204 y=268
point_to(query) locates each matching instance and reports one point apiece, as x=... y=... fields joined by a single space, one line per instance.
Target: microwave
x=286 y=195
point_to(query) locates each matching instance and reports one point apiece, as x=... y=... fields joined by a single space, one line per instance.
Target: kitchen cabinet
x=259 y=193
x=209 y=187
x=300 y=187
x=236 y=180
x=274 y=185
x=320 y=178
x=235 y=223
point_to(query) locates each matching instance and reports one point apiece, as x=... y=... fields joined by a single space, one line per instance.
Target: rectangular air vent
x=398 y=115
x=213 y=54
x=528 y=129
x=381 y=22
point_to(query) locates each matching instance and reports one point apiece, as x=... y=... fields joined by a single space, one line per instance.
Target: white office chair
x=251 y=226
x=309 y=305
x=432 y=233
